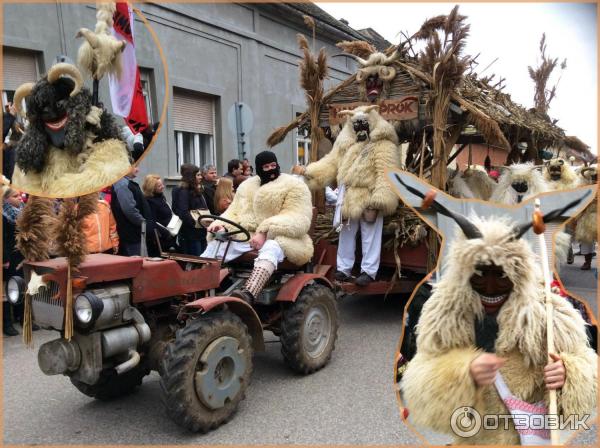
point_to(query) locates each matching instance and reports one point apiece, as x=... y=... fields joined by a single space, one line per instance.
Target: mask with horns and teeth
x=57 y=110
x=375 y=74
x=491 y=257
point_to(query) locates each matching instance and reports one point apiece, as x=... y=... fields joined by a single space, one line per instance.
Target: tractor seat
x=249 y=257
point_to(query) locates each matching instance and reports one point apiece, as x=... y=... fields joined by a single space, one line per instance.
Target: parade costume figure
x=366 y=147
x=71 y=147
x=517 y=183
x=490 y=299
x=277 y=210
x=559 y=175
x=586 y=231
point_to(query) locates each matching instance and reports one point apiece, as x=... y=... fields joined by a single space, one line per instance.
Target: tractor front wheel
x=206 y=371
x=309 y=329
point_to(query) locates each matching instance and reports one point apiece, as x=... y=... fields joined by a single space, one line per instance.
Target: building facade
x=217 y=56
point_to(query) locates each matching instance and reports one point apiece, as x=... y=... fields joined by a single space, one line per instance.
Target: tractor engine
x=108 y=331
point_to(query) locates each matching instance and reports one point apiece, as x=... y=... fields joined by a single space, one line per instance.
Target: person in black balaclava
x=277 y=210
x=267 y=167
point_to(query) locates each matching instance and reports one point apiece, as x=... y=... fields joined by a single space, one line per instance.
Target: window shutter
x=19 y=67
x=193 y=112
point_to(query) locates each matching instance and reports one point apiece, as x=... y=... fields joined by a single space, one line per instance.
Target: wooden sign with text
x=403 y=108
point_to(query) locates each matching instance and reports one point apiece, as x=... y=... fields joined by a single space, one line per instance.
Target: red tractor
x=174 y=314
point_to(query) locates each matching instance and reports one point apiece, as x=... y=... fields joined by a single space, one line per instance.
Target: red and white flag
x=126 y=92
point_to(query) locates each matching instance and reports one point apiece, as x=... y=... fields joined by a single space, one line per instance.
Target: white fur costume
x=504 y=193
x=281 y=208
x=437 y=380
x=359 y=166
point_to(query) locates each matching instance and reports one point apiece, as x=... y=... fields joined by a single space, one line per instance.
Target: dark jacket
x=209 y=195
x=183 y=202
x=8 y=160
x=7 y=122
x=130 y=208
x=161 y=213
x=9 y=250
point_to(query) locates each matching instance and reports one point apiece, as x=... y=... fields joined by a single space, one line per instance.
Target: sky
x=511 y=32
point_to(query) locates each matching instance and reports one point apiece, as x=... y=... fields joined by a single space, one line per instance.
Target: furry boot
x=588 y=263
x=259 y=277
x=7 y=321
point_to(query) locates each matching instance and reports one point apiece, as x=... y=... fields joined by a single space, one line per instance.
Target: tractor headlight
x=15 y=289
x=87 y=309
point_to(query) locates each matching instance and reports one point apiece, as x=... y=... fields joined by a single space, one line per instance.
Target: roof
x=376 y=39
x=341 y=31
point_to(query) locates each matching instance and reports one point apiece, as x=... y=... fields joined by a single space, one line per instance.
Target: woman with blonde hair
x=153 y=188
x=223 y=195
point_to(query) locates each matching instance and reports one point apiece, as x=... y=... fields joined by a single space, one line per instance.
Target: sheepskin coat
x=587 y=224
x=504 y=193
x=360 y=166
x=437 y=380
x=281 y=208
x=65 y=174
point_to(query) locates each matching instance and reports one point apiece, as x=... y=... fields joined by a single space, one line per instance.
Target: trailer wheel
x=111 y=386
x=206 y=371
x=309 y=329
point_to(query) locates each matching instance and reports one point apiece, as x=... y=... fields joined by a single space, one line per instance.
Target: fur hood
x=449 y=316
x=360 y=166
x=568 y=176
x=504 y=193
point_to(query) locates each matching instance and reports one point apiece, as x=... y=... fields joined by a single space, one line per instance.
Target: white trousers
x=271 y=251
x=370 y=234
x=586 y=248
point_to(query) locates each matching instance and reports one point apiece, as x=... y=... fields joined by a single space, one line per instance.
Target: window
x=193 y=148
x=193 y=119
x=147 y=83
x=19 y=66
x=302 y=147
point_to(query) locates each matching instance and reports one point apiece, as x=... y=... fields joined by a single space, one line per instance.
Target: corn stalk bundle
x=441 y=59
x=540 y=76
x=313 y=71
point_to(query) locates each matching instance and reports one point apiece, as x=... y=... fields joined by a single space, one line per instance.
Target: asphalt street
x=350 y=401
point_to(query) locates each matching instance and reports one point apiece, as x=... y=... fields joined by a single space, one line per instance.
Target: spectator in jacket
x=12 y=205
x=188 y=196
x=223 y=195
x=130 y=209
x=234 y=169
x=153 y=189
x=100 y=230
x=209 y=184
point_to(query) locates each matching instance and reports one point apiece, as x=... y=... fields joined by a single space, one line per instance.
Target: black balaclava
x=263 y=158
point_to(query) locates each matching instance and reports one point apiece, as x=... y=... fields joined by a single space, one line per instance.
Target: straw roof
x=495 y=115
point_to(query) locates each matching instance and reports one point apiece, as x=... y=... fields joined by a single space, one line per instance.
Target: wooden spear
x=538 y=228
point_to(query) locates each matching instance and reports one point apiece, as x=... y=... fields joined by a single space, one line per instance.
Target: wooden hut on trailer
x=435 y=105
x=438 y=119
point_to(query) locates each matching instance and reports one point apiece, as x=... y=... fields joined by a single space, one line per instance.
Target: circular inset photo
x=66 y=141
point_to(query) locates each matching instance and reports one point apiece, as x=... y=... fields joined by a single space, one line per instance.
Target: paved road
x=352 y=400
x=583 y=284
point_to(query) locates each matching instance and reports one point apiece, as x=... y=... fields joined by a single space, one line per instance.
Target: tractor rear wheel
x=206 y=371
x=309 y=329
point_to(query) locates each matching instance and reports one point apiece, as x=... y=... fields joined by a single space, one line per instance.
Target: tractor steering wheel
x=225 y=235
